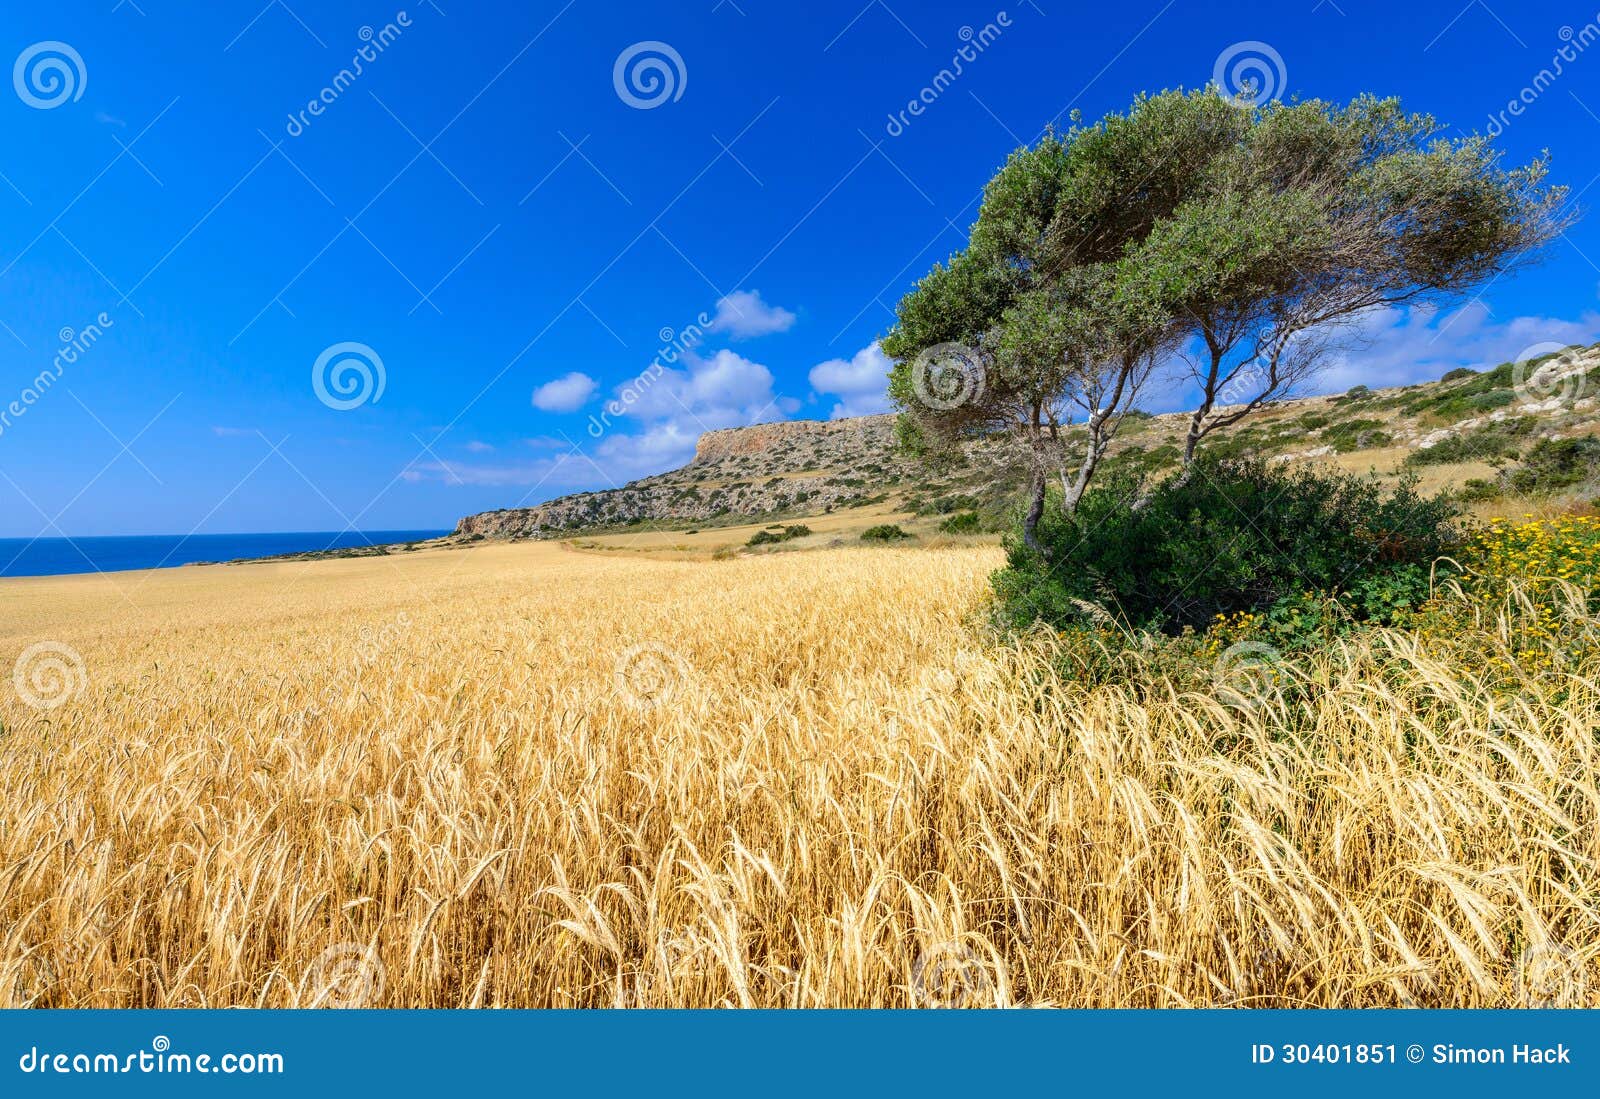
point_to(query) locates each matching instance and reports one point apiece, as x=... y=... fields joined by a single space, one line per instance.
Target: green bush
x=1486 y=444
x=1479 y=393
x=885 y=532
x=1356 y=435
x=1555 y=464
x=781 y=534
x=1458 y=373
x=946 y=505
x=966 y=522
x=1231 y=537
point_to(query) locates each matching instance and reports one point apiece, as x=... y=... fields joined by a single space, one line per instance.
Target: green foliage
x=1458 y=373
x=1555 y=464
x=1489 y=443
x=1141 y=462
x=884 y=532
x=1187 y=216
x=1356 y=435
x=1228 y=537
x=966 y=522
x=1469 y=397
x=770 y=536
x=946 y=505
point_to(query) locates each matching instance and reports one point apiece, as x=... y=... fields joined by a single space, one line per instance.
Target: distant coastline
x=64 y=556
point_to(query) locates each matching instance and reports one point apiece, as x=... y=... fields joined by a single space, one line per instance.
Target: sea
x=58 y=556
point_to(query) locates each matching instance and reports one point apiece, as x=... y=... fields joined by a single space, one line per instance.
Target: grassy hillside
x=1497 y=438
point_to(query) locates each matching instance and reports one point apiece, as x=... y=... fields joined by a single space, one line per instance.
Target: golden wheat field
x=520 y=776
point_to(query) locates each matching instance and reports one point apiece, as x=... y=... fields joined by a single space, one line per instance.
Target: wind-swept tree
x=1250 y=235
x=1317 y=214
x=1009 y=337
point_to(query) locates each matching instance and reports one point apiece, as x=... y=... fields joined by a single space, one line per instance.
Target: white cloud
x=477 y=446
x=722 y=390
x=624 y=458
x=861 y=382
x=1396 y=346
x=675 y=406
x=567 y=393
x=743 y=315
x=1405 y=346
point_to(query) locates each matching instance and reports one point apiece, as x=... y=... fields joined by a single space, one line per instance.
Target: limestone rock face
x=748 y=442
x=798 y=465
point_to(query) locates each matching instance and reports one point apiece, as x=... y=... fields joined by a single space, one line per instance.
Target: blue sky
x=485 y=210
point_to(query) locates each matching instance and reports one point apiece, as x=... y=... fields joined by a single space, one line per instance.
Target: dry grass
x=422 y=782
x=844 y=525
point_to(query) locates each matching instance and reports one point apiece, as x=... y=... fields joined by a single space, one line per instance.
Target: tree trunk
x=1030 y=522
x=1208 y=400
x=1192 y=439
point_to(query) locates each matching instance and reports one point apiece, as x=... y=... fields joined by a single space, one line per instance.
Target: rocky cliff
x=800 y=466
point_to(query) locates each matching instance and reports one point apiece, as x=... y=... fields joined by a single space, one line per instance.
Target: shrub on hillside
x=1555 y=464
x=966 y=522
x=772 y=536
x=1356 y=435
x=1231 y=537
x=884 y=532
x=1487 y=444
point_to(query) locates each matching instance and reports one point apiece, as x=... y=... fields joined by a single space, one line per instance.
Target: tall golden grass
x=521 y=777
